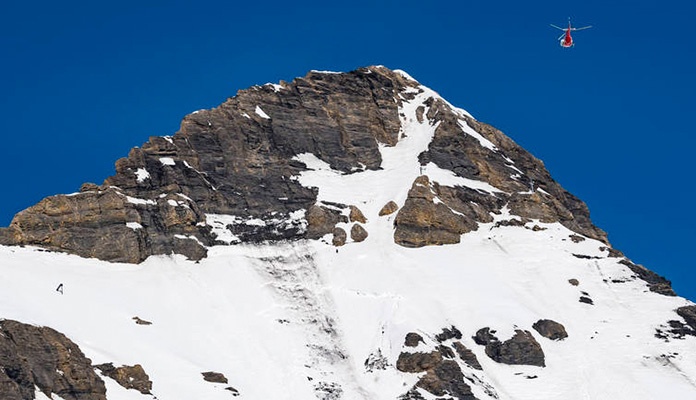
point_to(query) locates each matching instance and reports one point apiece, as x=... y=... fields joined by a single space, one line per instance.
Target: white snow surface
x=280 y=318
x=249 y=311
x=261 y=113
x=142 y=174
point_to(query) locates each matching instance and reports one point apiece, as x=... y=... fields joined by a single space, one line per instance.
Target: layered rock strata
x=230 y=175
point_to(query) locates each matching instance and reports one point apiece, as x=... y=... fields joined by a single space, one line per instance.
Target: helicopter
x=565 y=39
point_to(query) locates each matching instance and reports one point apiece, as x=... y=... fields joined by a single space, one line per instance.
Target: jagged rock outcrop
x=128 y=376
x=422 y=221
x=443 y=373
x=689 y=315
x=40 y=357
x=442 y=376
x=235 y=159
x=521 y=349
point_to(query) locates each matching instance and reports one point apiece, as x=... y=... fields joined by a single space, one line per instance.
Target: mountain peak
x=285 y=161
x=354 y=236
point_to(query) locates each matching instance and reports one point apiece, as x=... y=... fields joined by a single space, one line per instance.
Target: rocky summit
x=341 y=236
x=239 y=160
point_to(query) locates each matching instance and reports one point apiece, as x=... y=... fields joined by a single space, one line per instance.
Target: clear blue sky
x=83 y=82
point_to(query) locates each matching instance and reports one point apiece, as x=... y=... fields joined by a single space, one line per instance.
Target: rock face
x=422 y=221
x=230 y=175
x=235 y=159
x=41 y=357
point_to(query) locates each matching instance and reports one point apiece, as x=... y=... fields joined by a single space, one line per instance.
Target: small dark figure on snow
x=59 y=289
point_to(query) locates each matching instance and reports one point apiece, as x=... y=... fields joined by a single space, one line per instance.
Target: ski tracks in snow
x=293 y=276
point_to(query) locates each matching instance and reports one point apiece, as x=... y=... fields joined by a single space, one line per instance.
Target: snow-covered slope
x=299 y=319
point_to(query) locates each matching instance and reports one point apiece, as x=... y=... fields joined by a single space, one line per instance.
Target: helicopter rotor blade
x=557 y=27
x=579 y=29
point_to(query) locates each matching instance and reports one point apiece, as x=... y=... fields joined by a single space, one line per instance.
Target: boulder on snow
x=550 y=329
x=388 y=209
x=358 y=233
x=356 y=215
x=339 y=237
x=215 y=377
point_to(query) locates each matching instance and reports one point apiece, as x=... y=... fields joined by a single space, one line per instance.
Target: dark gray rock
x=215 y=377
x=467 y=355
x=448 y=333
x=413 y=339
x=689 y=315
x=656 y=283
x=521 y=349
x=41 y=357
x=130 y=377
x=484 y=336
x=550 y=329
x=442 y=376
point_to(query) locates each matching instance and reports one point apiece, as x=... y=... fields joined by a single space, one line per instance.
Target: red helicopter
x=565 y=39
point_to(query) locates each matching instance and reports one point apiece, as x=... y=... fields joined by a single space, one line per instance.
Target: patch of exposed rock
x=656 y=283
x=130 y=377
x=434 y=215
x=441 y=373
x=322 y=220
x=689 y=315
x=356 y=215
x=413 y=339
x=358 y=233
x=467 y=355
x=521 y=349
x=388 y=209
x=448 y=333
x=40 y=357
x=550 y=329
x=215 y=377
x=339 y=237
x=442 y=376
